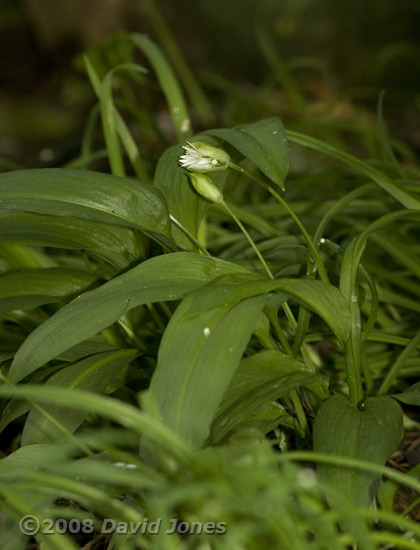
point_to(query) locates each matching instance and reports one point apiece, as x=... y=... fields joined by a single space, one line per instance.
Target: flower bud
x=206 y=188
x=201 y=157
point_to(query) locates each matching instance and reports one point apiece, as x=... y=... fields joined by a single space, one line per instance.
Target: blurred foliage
x=316 y=59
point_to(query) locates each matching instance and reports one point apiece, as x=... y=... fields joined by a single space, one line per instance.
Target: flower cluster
x=199 y=157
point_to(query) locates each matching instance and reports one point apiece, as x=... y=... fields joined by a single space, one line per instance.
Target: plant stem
x=249 y=239
x=301 y=418
x=314 y=252
x=184 y=230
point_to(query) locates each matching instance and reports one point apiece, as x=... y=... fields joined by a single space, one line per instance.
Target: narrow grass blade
x=168 y=83
x=362 y=167
x=122 y=413
x=186 y=75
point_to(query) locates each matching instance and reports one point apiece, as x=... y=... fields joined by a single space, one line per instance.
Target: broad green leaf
x=101 y=373
x=184 y=204
x=167 y=277
x=118 y=245
x=33 y=287
x=371 y=433
x=196 y=361
x=264 y=143
x=325 y=299
x=247 y=399
x=96 y=344
x=28 y=458
x=263 y=367
x=257 y=424
x=89 y=195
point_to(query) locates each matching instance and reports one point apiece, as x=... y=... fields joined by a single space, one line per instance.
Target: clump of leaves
x=212 y=309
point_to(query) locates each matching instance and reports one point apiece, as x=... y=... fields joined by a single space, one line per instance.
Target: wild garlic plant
x=208 y=339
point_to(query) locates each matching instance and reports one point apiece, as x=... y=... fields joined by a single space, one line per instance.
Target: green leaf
x=111 y=119
x=29 y=458
x=410 y=396
x=118 y=245
x=264 y=143
x=168 y=83
x=348 y=286
x=354 y=251
x=266 y=366
x=33 y=287
x=196 y=361
x=101 y=373
x=259 y=380
x=370 y=434
x=168 y=277
x=89 y=195
x=114 y=127
x=230 y=418
x=255 y=425
x=323 y=298
x=17 y=407
x=123 y=413
x=362 y=167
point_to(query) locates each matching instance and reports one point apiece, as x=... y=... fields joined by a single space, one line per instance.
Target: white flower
x=201 y=157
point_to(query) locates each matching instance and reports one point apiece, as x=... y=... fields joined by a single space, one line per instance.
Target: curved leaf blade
x=263 y=367
x=360 y=166
x=89 y=195
x=101 y=373
x=34 y=287
x=168 y=82
x=116 y=244
x=167 y=277
x=264 y=143
x=190 y=380
x=323 y=298
x=255 y=398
